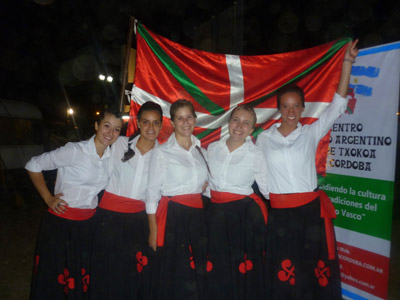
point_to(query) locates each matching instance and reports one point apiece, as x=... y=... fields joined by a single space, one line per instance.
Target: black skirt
x=297 y=264
x=121 y=259
x=62 y=259
x=181 y=262
x=236 y=251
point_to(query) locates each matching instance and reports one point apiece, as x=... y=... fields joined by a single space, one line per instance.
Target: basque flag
x=216 y=83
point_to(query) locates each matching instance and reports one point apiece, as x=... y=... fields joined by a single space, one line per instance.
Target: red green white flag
x=216 y=83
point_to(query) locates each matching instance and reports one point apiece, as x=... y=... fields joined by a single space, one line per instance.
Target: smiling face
x=291 y=108
x=150 y=125
x=241 y=125
x=184 y=122
x=107 y=131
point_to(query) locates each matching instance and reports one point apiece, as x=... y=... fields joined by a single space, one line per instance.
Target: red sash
x=76 y=214
x=224 y=197
x=192 y=200
x=327 y=211
x=121 y=204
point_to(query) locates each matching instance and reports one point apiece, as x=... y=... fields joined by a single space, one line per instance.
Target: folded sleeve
x=55 y=159
x=260 y=165
x=157 y=166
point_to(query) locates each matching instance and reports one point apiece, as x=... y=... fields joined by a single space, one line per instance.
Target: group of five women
x=177 y=221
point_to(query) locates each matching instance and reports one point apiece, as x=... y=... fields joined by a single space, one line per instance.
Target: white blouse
x=291 y=160
x=128 y=179
x=174 y=170
x=236 y=171
x=81 y=173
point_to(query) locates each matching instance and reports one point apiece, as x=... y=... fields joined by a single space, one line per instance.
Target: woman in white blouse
x=301 y=258
x=236 y=216
x=177 y=174
x=62 y=255
x=122 y=258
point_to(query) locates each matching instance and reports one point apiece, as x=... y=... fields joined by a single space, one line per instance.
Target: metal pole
x=238 y=26
x=126 y=61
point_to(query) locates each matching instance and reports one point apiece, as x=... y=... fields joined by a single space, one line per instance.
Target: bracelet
x=350 y=60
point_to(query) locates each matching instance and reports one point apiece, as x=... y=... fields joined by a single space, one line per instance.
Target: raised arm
x=349 y=59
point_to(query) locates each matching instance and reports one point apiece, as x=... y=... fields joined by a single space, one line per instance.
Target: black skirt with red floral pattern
x=181 y=262
x=62 y=259
x=121 y=259
x=236 y=236
x=297 y=264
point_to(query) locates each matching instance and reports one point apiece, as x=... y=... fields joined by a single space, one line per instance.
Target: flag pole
x=238 y=26
x=126 y=61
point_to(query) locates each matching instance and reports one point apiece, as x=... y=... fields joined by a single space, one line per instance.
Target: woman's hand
x=153 y=231
x=153 y=240
x=351 y=51
x=56 y=204
x=349 y=58
x=204 y=187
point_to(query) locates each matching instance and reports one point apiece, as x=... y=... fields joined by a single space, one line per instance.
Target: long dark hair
x=147 y=106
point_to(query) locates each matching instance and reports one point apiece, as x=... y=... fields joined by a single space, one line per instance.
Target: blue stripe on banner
x=379 y=49
x=352 y=295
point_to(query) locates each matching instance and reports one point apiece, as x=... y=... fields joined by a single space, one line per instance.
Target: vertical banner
x=360 y=172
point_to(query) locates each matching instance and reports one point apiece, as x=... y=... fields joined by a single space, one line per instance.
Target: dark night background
x=52 y=52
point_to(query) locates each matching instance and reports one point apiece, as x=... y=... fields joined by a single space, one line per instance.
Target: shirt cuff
x=338 y=98
x=207 y=192
x=151 y=208
x=32 y=166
